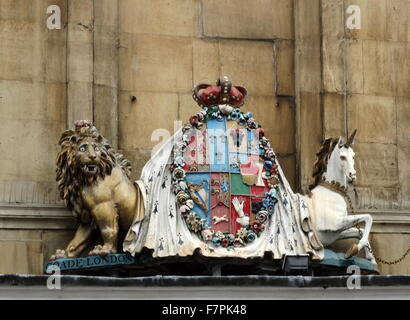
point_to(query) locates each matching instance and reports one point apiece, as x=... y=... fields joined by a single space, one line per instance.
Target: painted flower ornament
x=184 y=210
x=235 y=114
x=182 y=197
x=262 y=216
x=251 y=236
x=190 y=203
x=179 y=161
x=216 y=241
x=207 y=234
x=257 y=226
x=251 y=123
x=224 y=242
x=242 y=233
x=178 y=174
x=225 y=109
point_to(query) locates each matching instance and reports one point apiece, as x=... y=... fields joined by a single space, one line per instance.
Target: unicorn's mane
x=322 y=158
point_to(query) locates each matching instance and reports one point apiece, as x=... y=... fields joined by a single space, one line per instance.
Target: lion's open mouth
x=90 y=168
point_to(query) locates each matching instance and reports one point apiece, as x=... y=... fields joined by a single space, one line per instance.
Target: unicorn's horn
x=350 y=141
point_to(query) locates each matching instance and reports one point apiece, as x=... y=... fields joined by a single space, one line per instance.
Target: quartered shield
x=222 y=162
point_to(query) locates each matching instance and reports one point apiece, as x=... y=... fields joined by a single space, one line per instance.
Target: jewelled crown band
x=223 y=92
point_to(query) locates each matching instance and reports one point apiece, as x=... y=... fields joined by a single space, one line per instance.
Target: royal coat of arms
x=216 y=185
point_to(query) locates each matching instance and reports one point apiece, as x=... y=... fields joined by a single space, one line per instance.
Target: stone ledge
x=207 y=281
x=36 y=217
x=207 y=288
x=23 y=216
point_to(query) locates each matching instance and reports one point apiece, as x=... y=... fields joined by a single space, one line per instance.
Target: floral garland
x=247 y=233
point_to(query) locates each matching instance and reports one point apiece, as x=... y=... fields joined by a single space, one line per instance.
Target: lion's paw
x=101 y=250
x=60 y=254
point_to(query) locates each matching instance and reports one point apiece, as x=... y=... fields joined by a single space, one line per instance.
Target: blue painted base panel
x=337 y=259
x=331 y=258
x=90 y=262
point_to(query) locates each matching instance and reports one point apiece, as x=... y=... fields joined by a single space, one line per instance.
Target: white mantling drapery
x=164 y=230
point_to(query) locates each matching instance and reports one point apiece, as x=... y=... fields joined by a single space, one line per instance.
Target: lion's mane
x=70 y=177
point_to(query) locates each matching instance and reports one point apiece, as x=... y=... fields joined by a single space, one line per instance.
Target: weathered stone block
x=404 y=175
x=17 y=59
x=187 y=107
x=174 y=17
x=24 y=41
x=398 y=24
x=206 y=61
x=354 y=66
x=105 y=65
x=391 y=247
x=80 y=101
x=310 y=129
x=22 y=257
x=374 y=117
x=106 y=112
x=81 y=12
x=20 y=234
x=373 y=19
x=148 y=121
x=155 y=63
x=378 y=63
x=277 y=117
x=376 y=197
x=18 y=190
x=261 y=19
x=20 y=30
x=78 y=32
x=401 y=69
x=54 y=59
x=18 y=10
x=333 y=18
x=138 y=157
x=288 y=164
x=308 y=65
x=376 y=164
x=250 y=64
x=27 y=100
x=333 y=63
x=307 y=19
x=106 y=13
x=403 y=121
x=42 y=15
x=80 y=61
x=285 y=67
x=334 y=115
x=31 y=11
x=35 y=151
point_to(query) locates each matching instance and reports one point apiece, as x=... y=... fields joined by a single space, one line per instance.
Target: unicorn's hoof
x=354 y=249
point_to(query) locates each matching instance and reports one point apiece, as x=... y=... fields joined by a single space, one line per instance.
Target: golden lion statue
x=94 y=182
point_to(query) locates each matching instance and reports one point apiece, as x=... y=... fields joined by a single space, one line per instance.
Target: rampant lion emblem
x=94 y=182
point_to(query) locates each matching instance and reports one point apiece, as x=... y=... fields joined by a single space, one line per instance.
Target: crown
x=78 y=124
x=223 y=92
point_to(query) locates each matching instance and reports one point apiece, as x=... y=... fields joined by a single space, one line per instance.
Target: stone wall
x=165 y=48
x=130 y=65
x=366 y=85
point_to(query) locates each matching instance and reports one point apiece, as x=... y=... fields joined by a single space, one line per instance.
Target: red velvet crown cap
x=82 y=123
x=223 y=92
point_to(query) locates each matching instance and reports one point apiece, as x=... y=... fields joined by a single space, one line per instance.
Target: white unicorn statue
x=333 y=171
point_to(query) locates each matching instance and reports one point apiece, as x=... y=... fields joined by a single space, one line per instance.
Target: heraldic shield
x=216 y=185
x=223 y=167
